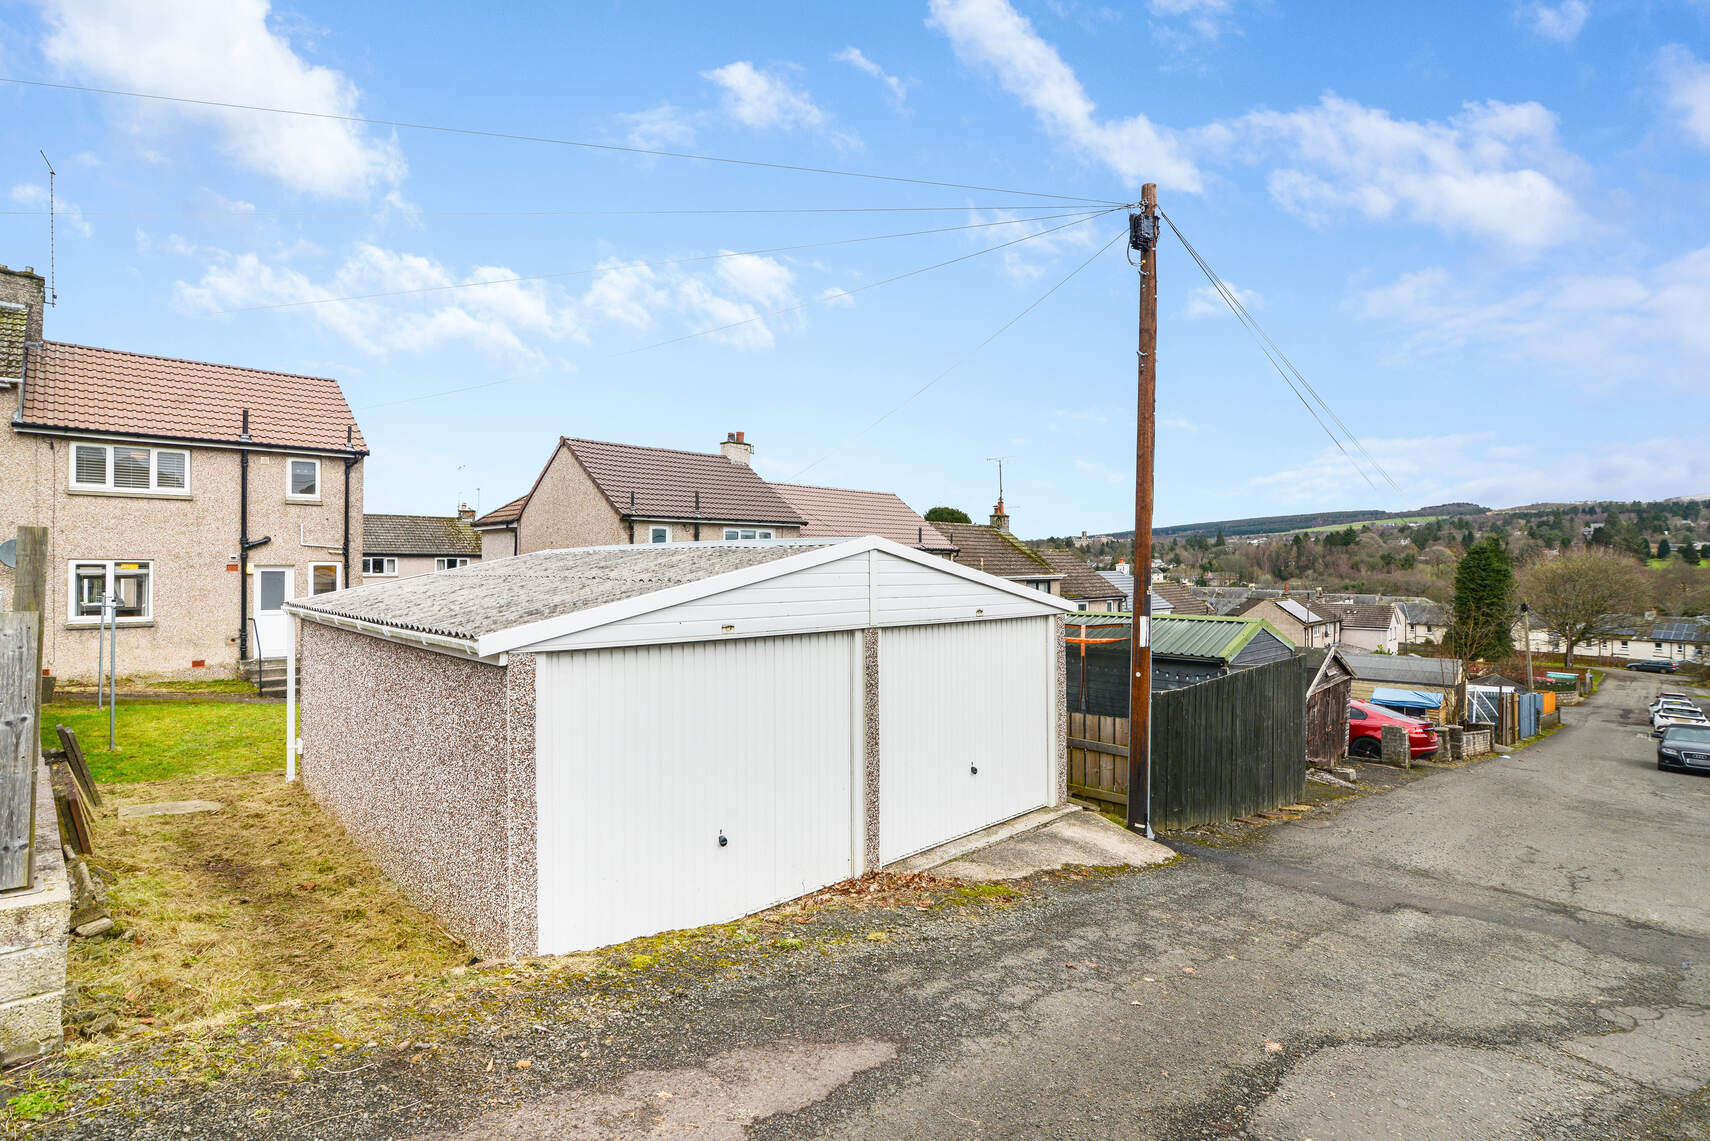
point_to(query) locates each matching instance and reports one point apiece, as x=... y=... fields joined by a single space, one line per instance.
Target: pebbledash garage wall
x=689 y=737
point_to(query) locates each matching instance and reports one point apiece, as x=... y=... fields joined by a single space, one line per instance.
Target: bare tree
x=1583 y=597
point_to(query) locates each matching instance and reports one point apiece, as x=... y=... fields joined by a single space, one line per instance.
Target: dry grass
x=263 y=902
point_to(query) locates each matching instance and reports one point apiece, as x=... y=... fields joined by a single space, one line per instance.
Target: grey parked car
x=1685 y=748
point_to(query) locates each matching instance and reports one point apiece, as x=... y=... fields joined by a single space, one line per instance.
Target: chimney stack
x=465 y=513
x=736 y=449
x=23 y=293
x=1000 y=517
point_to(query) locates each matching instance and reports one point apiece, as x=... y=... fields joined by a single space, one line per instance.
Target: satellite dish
x=9 y=553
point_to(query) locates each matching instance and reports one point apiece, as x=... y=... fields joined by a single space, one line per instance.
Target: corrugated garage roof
x=1203 y=635
x=1403 y=669
x=484 y=598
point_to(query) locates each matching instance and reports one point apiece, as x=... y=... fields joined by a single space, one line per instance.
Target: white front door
x=681 y=785
x=966 y=718
x=272 y=591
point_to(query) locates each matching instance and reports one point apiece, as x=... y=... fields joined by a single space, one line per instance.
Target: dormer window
x=129 y=467
x=303 y=479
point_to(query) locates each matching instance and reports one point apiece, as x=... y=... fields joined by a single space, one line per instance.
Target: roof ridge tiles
x=188 y=360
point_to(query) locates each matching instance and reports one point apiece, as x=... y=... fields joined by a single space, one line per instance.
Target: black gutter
x=244 y=545
x=349 y=462
x=239 y=444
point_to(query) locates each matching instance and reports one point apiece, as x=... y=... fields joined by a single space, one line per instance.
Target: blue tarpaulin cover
x=1406 y=698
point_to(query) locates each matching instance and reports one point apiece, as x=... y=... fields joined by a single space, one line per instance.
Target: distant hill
x=1283 y=524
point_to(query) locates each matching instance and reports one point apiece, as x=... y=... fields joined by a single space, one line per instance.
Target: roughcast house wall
x=427 y=761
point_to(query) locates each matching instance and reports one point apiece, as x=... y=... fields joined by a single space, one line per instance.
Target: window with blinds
x=129 y=467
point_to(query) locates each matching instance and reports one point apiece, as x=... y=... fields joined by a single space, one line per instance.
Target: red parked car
x=1365 y=731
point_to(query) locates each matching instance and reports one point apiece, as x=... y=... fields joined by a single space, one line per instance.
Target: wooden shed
x=571 y=748
x=1446 y=676
x=1327 y=708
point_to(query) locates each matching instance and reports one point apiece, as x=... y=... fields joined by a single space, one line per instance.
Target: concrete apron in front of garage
x=1043 y=840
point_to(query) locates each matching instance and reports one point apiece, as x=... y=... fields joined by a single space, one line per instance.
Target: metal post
x=101 y=656
x=1143 y=236
x=290 y=699
x=113 y=672
x=1531 y=678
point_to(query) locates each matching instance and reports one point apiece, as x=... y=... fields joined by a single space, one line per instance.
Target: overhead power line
x=195 y=212
x=966 y=357
x=510 y=136
x=455 y=285
x=1280 y=361
x=842 y=293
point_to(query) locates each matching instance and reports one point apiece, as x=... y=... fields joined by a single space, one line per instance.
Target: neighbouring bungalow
x=398 y=546
x=1425 y=621
x=991 y=547
x=1635 y=640
x=1376 y=626
x=842 y=513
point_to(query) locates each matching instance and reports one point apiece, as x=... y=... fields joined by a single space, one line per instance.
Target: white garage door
x=965 y=720
x=646 y=756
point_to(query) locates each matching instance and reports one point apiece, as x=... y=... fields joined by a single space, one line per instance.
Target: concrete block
x=1457 y=742
x=30 y=1027
x=33 y=971
x=1395 y=749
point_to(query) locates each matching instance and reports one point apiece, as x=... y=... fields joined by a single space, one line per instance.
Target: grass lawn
x=169 y=739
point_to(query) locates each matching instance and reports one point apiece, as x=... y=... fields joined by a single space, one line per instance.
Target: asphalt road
x=1520 y=948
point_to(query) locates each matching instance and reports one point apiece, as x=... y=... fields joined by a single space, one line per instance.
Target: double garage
x=568 y=749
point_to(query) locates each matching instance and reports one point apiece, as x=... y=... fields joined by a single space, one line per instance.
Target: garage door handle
x=975 y=769
x=723 y=840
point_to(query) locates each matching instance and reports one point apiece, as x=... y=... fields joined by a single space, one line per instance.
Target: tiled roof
x=1180 y=598
x=1357 y=616
x=484 y=598
x=1079 y=580
x=984 y=547
x=1423 y=610
x=509 y=513
x=102 y=390
x=837 y=512
x=664 y=484
x=418 y=535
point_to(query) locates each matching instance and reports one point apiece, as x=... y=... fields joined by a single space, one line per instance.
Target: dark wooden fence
x=1224 y=748
x=20 y=687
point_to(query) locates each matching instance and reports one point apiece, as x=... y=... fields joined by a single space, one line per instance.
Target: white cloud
x=32 y=194
x=737 y=293
x=1558 y=22
x=496 y=318
x=833 y=297
x=855 y=58
x=1427 y=467
x=1591 y=330
x=1207 y=302
x=1206 y=19
x=761 y=279
x=992 y=36
x=1688 y=82
x=658 y=128
x=225 y=50
x=1028 y=260
x=1490 y=171
x=763 y=99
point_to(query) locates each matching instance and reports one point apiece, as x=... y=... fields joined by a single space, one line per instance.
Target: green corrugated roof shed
x=1204 y=636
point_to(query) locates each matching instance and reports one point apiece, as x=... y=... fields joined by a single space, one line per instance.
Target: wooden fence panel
x=1224 y=748
x=20 y=687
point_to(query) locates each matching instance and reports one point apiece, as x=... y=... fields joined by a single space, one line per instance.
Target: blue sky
x=1479 y=230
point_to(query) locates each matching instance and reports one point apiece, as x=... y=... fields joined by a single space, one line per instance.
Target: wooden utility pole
x=1143 y=238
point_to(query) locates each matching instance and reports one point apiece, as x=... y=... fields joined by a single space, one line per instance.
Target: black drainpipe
x=630 y=518
x=349 y=462
x=697 y=516
x=245 y=546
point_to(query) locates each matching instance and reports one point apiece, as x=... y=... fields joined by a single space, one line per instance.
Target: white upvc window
x=303 y=479
x=379 y=566
x=660 y=533
x=131 y=583
x=449 y=564
x=324 y=578
x=747 y=533
x=129 y=467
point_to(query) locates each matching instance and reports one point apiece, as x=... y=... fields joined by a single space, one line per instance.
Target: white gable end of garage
x=849 y=586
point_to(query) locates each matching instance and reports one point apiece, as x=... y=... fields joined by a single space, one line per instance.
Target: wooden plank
x=78 y=766
x=1101 y=795
x=1092 y=746
x=20 y=689
x=29 y=585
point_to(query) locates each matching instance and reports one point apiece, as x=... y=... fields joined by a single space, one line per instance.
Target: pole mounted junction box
x=1142 y=232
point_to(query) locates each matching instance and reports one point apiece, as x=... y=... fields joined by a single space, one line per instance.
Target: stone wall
x=33 y=939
